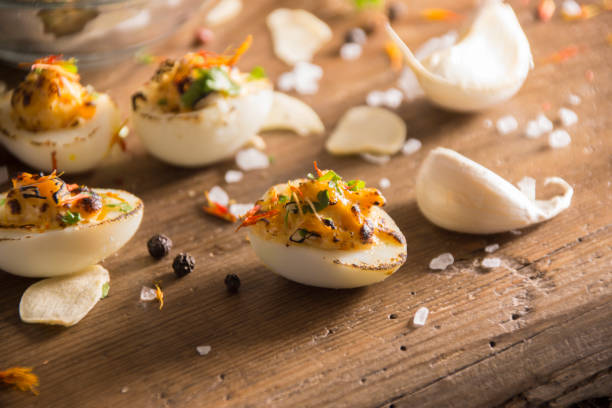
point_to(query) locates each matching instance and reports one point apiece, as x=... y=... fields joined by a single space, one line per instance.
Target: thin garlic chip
x=64 y=300
x=366 y=129
x=487 y=66
x=289 y=113
x=461 y=195
x=297 y=34
x=223 y=12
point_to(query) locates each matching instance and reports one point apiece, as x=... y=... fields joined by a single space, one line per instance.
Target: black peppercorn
x=183 y=264
x=232 y=282
x=159 y=246
x=356 y=35
x=394 y=11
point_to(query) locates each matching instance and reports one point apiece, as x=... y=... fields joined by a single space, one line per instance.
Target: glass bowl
x=96 y=32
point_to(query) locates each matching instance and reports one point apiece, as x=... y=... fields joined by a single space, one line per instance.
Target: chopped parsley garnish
x=2 y=202
x=323 y=200
x=123 y=207
x=356 y=185
x=281 y=199
x=71 y=218
x=361 y=4
x=70 y=66
x=257 y=73
x=209 y=80
x=105 y=289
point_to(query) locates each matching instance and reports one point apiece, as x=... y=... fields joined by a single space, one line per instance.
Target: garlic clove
x=367 y=129
x=289 y=113
x=458 y=194
x=487 y=66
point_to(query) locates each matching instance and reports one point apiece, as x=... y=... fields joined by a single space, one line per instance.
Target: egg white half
x=55 y=252
x=77 y=149
x=206 y=135
x=337 y=269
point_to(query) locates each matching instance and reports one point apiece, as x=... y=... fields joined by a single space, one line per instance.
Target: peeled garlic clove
x=297 y=34
x=461 y=195
x=487 y=66
x=289 y=113
x=64 y=300
x=367 y=129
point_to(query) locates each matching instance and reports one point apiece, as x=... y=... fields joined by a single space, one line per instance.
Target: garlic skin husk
x=458 y=194
x=487 y=66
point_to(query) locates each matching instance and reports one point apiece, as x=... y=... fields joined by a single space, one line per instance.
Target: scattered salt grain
x=506 y=124
x=125 y=389
x=286 y=81
x=574 y=99
x=487 y=123
x=420 y=317
x=238 y=210
x=527 y=185
x=411 y=146
x=203 y=350
x=490 y=263
x=233 y=176
x=147 y=294
x=251 y=159
x=379 y=159
x=436 y=44
x=441 y=262
x=350 y=51
x=409 y=84
x=308 y=70
x=537 y=127
x=218 y=195
x=375 y=98
x=567 y=117
x=191 y=193
x=305 y=86
x=570 y=8
x=516 y=232
x=558 y=139
x=393 y=98
x=4 y=176
x=489 y=249
x=384 y=183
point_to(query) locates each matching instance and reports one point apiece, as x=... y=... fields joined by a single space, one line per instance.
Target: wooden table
x=537 y=330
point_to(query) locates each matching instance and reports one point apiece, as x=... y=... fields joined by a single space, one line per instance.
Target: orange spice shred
x=159 y=295
x=319 y=172
x=562 y=55
x=546 y=9
x=214 y=208
x=21 y=378
x=252 y=217
x=589 y=75
x=440 y=14
x=395 y=55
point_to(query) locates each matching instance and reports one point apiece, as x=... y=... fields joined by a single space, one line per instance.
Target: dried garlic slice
x=367 y=129
x=297 y=34
x=487 y=66
x=289 y=113
x=64 y=300
x=223 y=12
x=461 y=195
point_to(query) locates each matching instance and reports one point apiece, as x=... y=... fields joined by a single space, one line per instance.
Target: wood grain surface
x=536 y=331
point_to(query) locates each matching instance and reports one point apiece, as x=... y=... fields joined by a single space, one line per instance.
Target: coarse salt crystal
x=441 y=262
x=506 y=124
x=218 y=195
x=489 y=249
x=286 y=81
x=308 y=70
x=409 y=84
x=305 y=86
x=411 y=146
x=574 y=99
x=570 y=8
x=490 y=263
x=537 y=127
x=203 y=350
x=516 y=232
x=238 y=210
x=558 y=139
x=124 y=389
x=233 y=176
x=487 y=123
x=147 y=294
x=568 y=117
x=393 y=98
x=4 y=176
x=379 y=159
x=350 y=51
x=384 y=183
x=251 y=159
x=375 y=98
x=527 y=185
x=420 y=317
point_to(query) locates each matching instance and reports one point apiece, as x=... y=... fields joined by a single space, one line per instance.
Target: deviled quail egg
x=50 y=228
x=200 y=109
x=51 y=121
x=324 y=231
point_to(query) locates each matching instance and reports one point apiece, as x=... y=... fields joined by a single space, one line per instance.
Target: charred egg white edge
x=206 y=135
x=77 y=149
x=55 y=252
x=337 y=269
